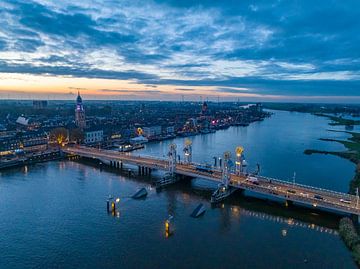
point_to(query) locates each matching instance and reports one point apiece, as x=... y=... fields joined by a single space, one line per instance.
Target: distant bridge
x=229 y=179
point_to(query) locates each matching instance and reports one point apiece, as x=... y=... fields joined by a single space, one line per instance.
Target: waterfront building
x=151 y=131
x=80 y=120
x=25 y=141
x=93 y=136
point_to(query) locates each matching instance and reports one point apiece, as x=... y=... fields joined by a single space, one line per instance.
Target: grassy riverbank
x=347 y=230
x=352 y=153
x=335 y=121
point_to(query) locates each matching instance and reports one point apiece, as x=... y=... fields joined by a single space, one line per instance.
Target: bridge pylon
x=170 y=176
x=172 y=159
x=188 y=151
x=224 y=190
x=239 y=160
x=226 y=168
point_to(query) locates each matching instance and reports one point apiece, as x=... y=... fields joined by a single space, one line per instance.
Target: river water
x=53 y=215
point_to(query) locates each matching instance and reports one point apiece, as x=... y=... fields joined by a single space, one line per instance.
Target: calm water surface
x=53 y=215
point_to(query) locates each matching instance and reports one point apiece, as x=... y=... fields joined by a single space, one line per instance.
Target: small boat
x=142 y=193
x=198 y=211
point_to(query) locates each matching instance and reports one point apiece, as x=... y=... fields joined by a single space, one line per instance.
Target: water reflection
x=50 y=224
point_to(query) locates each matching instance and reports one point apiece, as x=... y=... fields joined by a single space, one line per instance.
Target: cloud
x=77 y=88
x=130 y=91
x=185 y=89
x=231 y=90
x=274 y=47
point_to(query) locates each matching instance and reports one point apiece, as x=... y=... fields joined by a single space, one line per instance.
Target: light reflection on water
x=54 y=215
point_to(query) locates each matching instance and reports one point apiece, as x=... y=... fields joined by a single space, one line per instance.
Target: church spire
x=80 y=113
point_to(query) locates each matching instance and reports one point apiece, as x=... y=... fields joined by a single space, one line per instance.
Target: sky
x=270 y=50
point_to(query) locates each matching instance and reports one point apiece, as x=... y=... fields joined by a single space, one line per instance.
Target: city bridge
x=230 y=177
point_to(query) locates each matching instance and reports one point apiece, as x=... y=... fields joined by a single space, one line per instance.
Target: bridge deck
x=308 y=195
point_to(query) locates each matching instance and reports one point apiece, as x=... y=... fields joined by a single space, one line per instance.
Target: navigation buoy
x=168 y=230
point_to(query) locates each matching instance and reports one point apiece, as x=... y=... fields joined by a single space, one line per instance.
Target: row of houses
x=11 y=142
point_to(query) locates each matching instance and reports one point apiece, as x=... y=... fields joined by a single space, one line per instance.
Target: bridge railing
x=349 y=208
x=288 y=183
x=151 y=157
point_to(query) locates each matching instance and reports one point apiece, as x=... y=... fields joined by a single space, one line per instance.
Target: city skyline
x=166 y=50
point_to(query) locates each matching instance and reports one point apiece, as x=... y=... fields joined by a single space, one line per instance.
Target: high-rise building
x=80 y=120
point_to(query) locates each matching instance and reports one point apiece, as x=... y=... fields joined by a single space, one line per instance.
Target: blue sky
x=253 y=50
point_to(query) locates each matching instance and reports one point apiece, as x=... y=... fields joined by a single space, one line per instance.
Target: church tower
x=80 y=113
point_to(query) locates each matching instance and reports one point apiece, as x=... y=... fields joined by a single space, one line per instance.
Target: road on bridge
x=312 y=196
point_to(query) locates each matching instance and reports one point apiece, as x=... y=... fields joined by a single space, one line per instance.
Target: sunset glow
x=164 y=50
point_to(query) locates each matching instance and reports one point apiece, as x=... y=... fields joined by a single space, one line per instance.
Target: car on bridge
x=253 y=180
x=346 y=201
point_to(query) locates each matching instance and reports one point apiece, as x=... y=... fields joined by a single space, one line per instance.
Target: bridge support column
x=121 y=165
x=143 y=170
x=355 y=218
x=150 y=171
x=288 y=203
x=139 y=170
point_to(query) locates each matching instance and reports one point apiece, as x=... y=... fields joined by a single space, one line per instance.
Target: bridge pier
x=288 y=203
x=142 y=170
x=355 y=218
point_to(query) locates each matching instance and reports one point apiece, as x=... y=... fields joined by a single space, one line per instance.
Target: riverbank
x=352 y=154
x=347 y=229
x=338 y=121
